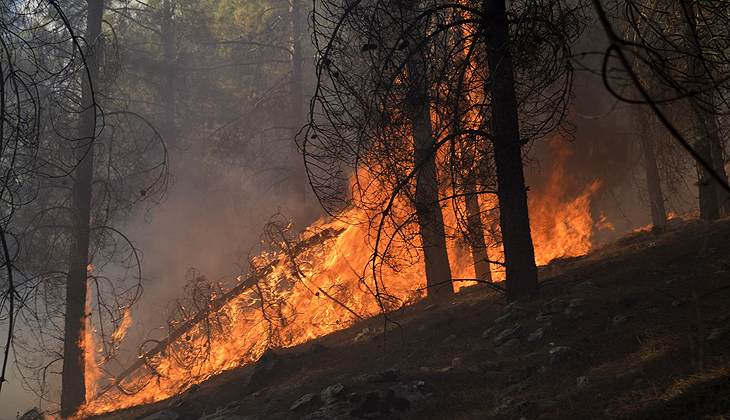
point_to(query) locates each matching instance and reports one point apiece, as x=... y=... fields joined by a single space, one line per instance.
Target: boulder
x=552 y=307
x=560 y=354
x=536 y=335
x=516 y=332
x=306 y=401
x=262 y=371
x=507 y=347
x=332 y=392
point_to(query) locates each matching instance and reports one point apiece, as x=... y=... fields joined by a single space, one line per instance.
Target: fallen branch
x=216 y=305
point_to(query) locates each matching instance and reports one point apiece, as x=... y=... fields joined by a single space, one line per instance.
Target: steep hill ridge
x=638 y=329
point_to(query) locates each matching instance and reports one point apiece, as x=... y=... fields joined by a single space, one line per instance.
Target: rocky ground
x=635 y=330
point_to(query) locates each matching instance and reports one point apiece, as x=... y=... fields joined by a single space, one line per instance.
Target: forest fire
x=308 y=286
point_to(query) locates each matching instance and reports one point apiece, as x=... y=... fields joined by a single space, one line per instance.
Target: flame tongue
x=319 y=284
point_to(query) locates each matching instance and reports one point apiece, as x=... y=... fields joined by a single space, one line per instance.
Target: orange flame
x=330 y=286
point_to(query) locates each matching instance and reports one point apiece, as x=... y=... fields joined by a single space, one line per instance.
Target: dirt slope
x=636 y=330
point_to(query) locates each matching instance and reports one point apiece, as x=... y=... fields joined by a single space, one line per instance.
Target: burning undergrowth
x=298 y=287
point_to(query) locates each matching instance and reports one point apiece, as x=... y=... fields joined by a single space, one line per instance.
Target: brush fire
x=305 y=286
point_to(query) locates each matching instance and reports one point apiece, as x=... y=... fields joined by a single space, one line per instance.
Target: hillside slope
x=638 y=329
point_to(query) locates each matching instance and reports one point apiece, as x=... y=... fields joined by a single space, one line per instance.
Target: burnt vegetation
x=482 y=209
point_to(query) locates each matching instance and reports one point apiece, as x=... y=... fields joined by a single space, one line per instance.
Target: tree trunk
x=296 y=99
x=653 y=183
x=519 y=254
x=428 y=208
x=475 y=229
x=704 y=119
x=718 y=164
x=169 y=134
x=73 y=393
x=479 y=254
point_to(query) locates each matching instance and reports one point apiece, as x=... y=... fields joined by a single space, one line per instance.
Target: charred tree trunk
x=653 y=181
x=296 y=99
x=475 y=229
x=168 y=87
x=519 y=253
x=73 y=393
x=428 y=208
x=477 y=241
x=703 y=107
x=717 y=150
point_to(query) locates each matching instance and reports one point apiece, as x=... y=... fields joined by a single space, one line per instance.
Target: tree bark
x=704 y=119
x=718 y=164
x=169 y=133
x=73 y=393
x=653 y=183
x=479 y=254
x=428 y=208
x=519 y=253
x=296 y=99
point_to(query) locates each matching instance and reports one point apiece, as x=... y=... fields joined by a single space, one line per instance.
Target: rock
x=490 y=331
x=365 y=333
x=511 y=317
x=422 y=329
x=524 y=408
x=492 y=365
x=507 y=347
x=192 y=389
x=544 y=319
x=163 y=415
x=585 y=286
x=716 y=335
x=317 y=348
x=381 y=376
x=332 y=392
x=535 y=356
x=581 y=381
x=515 y=332
x=560 y=354
x=474 y=369
x=306 y=401
x=620 y=320
x=262 y=371
x=522 y=385
x=452 y=337
x=457 y=362
x=553 y=307
x=576 y=303
x=536 y=335
x=381 y=402
x=514 y=306
x=573 y=312
x=520 y=374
